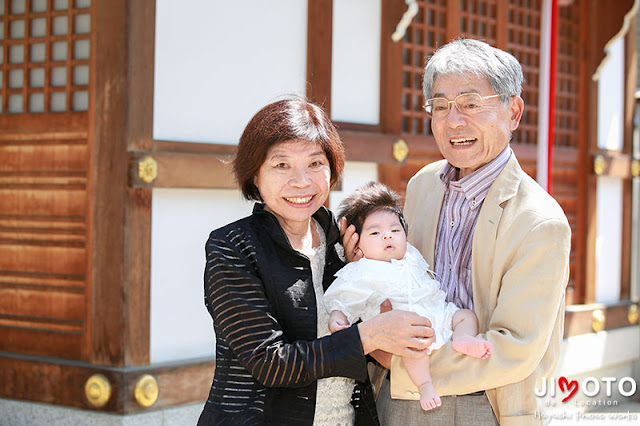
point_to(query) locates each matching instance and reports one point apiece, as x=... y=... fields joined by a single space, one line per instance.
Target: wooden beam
x=453 y=21
x=121 y=225
x=502 y=31
x=579 y=319
x=108 y=183
x=60 y=382
x=611 y=163
x=631 y=74
x=141 y=72
x=587 y=183
x=319 y=39
x=180 y=170
x=390 y=68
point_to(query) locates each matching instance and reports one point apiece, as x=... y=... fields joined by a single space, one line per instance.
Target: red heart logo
x=572 y=387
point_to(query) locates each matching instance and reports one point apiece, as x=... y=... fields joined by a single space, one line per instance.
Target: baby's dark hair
x=369 y=199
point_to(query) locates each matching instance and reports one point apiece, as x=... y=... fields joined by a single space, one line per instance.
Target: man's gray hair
x=463 y=56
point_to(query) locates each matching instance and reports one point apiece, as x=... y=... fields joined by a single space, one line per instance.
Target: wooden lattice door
x=45 y=73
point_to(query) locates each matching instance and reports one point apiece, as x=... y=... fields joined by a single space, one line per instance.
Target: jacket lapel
x=504 y=188
x=432 y=199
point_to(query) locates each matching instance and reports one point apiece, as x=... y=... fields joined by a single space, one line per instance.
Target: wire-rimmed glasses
x=467 y=103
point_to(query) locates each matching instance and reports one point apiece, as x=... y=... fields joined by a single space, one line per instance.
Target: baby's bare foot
x=471 y=346
x=429 y=398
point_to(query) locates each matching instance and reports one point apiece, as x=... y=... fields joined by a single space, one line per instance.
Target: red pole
x=553 y=56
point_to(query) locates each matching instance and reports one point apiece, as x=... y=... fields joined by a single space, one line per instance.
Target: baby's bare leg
x=419 y=373
x=465 y=328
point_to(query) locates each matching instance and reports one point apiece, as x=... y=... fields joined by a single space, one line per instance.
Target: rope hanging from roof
x=405 y=21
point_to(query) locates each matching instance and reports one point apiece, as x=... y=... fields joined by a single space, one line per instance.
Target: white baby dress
x=360 y=288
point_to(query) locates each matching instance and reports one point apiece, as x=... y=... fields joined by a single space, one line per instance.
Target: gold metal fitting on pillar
x=400 y=150
x=635 y=168
x=146 y=391
x=599 y=164
x=597 y=320
x=97 y=389
x=632 y=315
x=147 y=169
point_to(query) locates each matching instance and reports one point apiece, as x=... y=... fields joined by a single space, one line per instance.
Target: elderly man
x=497 y=241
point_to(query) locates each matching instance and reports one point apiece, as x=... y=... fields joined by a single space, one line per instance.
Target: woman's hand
x=350 y=241
x=401 y=333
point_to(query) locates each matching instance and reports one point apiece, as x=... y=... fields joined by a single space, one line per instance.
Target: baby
x=393 y=269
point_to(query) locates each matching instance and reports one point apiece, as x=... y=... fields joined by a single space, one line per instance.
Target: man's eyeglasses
x=467 y=103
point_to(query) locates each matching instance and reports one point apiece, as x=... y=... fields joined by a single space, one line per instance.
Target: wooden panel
x=319 y=36
x=42 y=259
x=56 y=342
x=43 y=202
x=54 y=382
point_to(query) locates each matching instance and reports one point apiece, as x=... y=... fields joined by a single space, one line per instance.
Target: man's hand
x=350 y=241
x=401 y=333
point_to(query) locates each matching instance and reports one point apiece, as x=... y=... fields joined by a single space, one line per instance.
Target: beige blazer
x=520 y=269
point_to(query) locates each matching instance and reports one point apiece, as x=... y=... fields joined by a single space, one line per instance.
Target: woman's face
x=294 y=180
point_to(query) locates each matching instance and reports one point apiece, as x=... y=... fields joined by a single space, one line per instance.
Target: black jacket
x=260 y=294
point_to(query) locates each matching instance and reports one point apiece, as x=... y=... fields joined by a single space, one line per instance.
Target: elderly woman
x=265 y=277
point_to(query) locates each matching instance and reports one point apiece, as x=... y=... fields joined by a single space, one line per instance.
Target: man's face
x=471 y=141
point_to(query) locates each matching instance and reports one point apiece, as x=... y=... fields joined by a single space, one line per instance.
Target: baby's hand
x=338 y=321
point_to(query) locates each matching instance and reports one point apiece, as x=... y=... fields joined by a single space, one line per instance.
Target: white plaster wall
x=611 y=98
x=181 y=220
x=355 y=76
x=217 y=62
x=609 y=190
x=356 y=173
x=608 y=239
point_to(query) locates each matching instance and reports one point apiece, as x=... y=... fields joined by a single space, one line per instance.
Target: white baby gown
x=360 y=288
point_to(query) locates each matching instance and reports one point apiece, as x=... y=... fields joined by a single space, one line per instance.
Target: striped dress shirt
x=460 y=208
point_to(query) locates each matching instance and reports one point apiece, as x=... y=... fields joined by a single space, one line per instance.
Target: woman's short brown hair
x=282 y=121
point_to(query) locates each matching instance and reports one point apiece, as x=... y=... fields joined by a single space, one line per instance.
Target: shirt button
x=473 y=202
x=452 y=223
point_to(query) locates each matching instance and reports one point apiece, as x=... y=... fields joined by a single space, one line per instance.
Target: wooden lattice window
x=568 y=76
x=478 y=19
x=523 y=42
x=426 y=32
x=44 y=57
